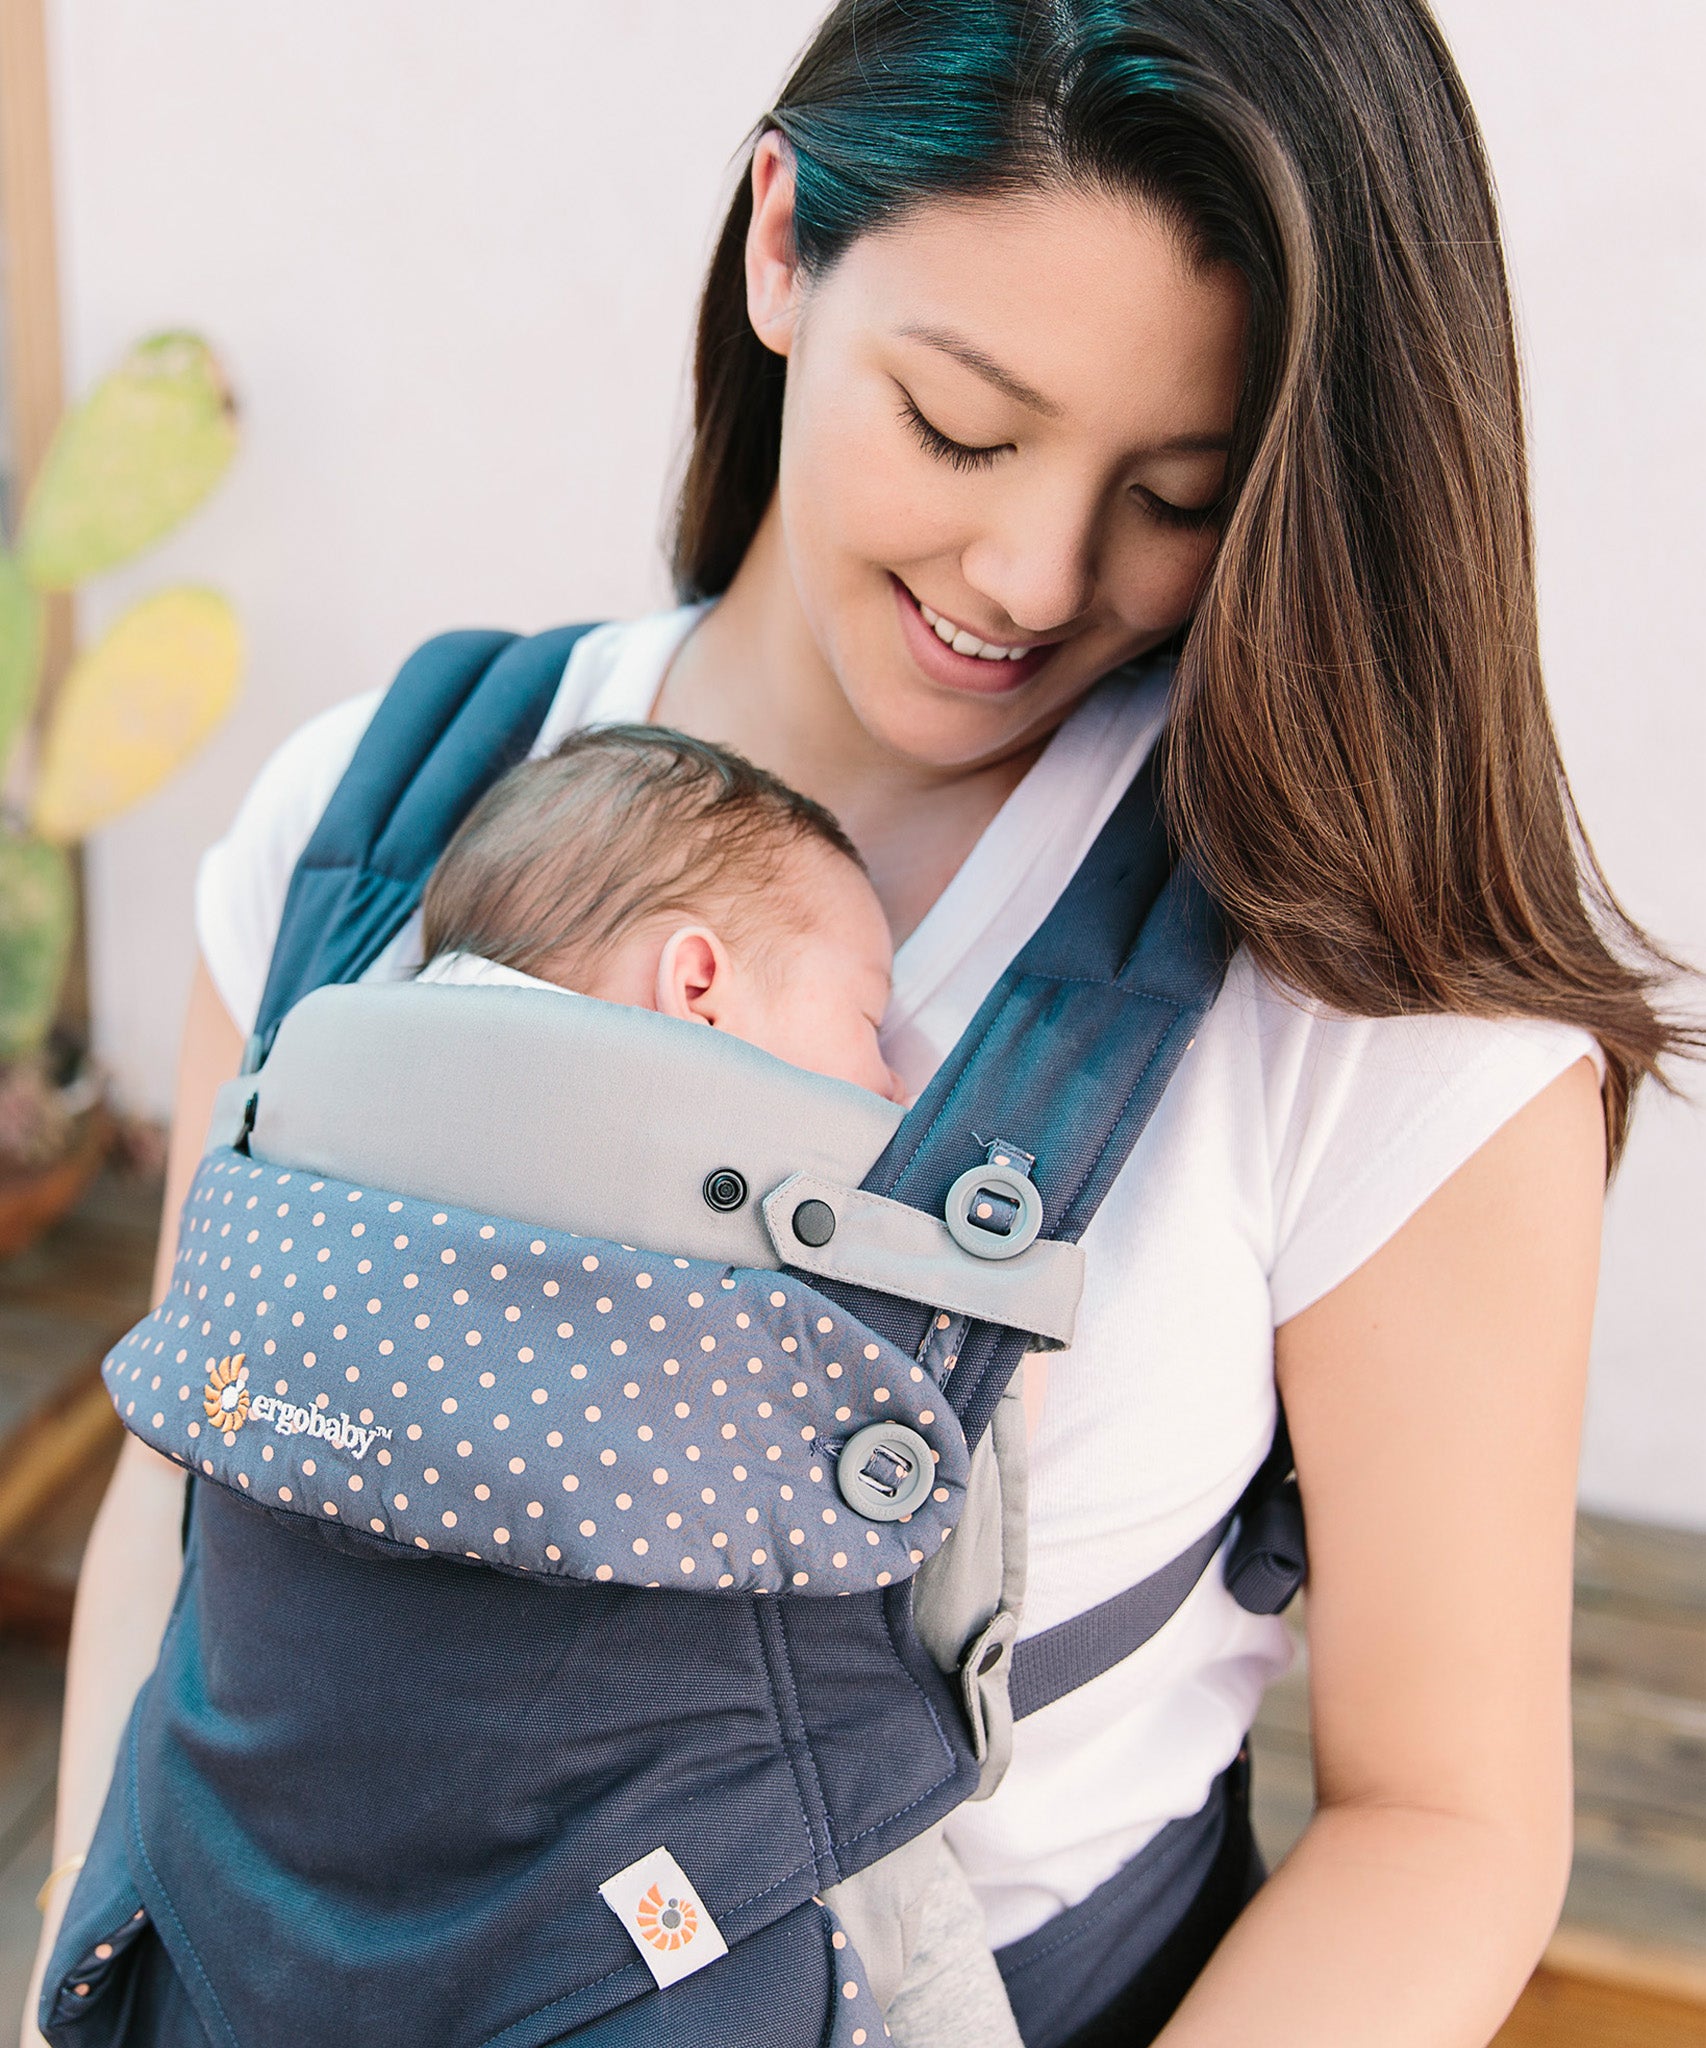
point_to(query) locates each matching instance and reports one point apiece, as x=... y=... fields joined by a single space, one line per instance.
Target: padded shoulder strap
x=463 y=708
x=1065 y=1061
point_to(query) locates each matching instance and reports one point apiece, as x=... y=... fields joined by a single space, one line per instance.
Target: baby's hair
x=624 y=824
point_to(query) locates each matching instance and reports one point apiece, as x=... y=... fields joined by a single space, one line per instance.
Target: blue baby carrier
x=603 y=1571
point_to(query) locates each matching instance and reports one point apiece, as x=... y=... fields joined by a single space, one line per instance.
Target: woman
x=1044 y=334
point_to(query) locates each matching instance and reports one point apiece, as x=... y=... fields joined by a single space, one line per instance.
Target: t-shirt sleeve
x=244 y=878
x=1383 y=1112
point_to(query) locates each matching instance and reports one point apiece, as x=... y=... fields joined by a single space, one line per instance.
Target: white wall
x=450 y=253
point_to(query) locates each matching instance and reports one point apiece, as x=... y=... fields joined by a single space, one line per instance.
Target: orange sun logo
x=667 y=1923
x=226 y=1399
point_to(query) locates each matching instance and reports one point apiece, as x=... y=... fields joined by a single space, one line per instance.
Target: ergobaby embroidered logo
x=336 y=1431
x=225 y=1400
x=664 y=1916
x=666 y=1921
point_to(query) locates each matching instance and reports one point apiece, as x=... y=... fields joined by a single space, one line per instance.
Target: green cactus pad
x=135 y=706
x=38 y=912
x=139 y=454
x=20 y=654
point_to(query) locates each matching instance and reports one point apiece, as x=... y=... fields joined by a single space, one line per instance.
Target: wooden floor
x=1635 y=1925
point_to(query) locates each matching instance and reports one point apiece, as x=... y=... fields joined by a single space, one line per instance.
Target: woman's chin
x=915 y=726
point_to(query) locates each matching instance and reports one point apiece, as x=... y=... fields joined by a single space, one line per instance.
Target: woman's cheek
x=1163 y=578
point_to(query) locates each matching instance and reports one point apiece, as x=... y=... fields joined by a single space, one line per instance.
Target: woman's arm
x=1435 y=1404
x=130 y=1570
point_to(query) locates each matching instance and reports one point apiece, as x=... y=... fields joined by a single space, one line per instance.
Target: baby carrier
x=602 y=1574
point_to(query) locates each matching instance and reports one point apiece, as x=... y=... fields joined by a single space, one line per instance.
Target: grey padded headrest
x=550 y=1108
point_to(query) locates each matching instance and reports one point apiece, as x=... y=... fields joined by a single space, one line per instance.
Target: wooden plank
x=1638 y=1563
x=1641 y=1643
x=34 y=363
x=30 y=1685
x=1678 y=1974
x=1560 y=2011
x=35 y=368
x=1641 y=1750
x=48 y=1455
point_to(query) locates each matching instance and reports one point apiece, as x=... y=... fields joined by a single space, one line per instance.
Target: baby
x=643 y=867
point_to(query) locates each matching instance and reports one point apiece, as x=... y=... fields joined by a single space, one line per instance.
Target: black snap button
x=814 y=1223
x=988 y=1661
x=724 y=1189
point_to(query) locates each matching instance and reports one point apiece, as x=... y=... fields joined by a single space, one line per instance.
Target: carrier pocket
x=85 y=2001
x=119 y=1987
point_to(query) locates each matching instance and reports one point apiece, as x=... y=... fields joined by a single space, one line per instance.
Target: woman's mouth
x=953 y=655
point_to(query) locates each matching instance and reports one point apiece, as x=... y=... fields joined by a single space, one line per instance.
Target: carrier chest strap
x=1048 y=1666
x=1266 y=1563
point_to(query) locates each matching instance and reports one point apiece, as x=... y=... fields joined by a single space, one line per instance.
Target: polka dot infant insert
x=534 y=1400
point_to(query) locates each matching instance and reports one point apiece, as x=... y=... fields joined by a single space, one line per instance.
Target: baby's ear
x=694 y=974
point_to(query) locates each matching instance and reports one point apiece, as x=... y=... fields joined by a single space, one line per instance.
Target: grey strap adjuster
x=843 y=1233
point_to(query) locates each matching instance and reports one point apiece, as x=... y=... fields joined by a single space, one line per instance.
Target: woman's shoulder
x=1363 y=1118
x=244 y=878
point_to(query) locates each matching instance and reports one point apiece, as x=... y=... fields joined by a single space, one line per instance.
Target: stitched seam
x=935 y=1721
x=165 y=1897
x=782 y=1683
x=1053 y=981
x=828 y=1268
x=787 y=1673
x=539 y=2011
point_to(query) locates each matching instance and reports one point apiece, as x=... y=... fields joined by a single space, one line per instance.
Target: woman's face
x=1004 y=438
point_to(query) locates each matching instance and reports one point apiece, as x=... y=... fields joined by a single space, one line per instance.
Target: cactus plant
x=139 y=454
x=20 y=652
x=37 y=907
x=125 y=466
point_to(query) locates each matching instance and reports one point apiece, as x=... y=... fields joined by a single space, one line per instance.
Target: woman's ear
x=694 y=976
x=772 y=267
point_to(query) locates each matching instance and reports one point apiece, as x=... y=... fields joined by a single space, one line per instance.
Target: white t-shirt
x=1290 y=1146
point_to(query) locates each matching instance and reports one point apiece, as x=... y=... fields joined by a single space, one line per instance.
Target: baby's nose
x=896 y=1089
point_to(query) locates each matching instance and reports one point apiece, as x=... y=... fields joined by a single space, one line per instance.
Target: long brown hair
x=1360 y=760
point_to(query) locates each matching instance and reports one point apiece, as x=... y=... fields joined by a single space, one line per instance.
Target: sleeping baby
x=643 y=867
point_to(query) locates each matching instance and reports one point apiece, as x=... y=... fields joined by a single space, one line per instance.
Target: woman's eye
x=957 y=453
x=1193 y=518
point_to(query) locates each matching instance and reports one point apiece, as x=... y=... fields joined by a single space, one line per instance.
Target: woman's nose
x=1038 y=571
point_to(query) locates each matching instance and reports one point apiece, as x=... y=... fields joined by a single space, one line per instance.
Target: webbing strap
x=1048 y=1666
x=463 y=709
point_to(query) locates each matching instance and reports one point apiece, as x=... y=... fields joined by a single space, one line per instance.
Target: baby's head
x=645 y=867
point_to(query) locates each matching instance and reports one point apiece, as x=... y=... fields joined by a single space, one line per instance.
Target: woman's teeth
x=963 y=642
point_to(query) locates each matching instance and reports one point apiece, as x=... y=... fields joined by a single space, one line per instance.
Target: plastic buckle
x=994 y=1211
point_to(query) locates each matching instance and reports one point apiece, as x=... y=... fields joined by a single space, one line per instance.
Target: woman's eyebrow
x=984 y=366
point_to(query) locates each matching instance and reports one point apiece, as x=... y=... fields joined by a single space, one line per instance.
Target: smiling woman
x=1106 y=411
x=1021 y=505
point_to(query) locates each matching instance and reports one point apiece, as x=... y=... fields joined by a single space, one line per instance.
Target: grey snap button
x=814 y=1223
x=885 y=1471
x=724 y=1189
x=974 y=1212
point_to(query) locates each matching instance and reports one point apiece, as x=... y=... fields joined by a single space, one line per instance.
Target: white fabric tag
x=665 y=1917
